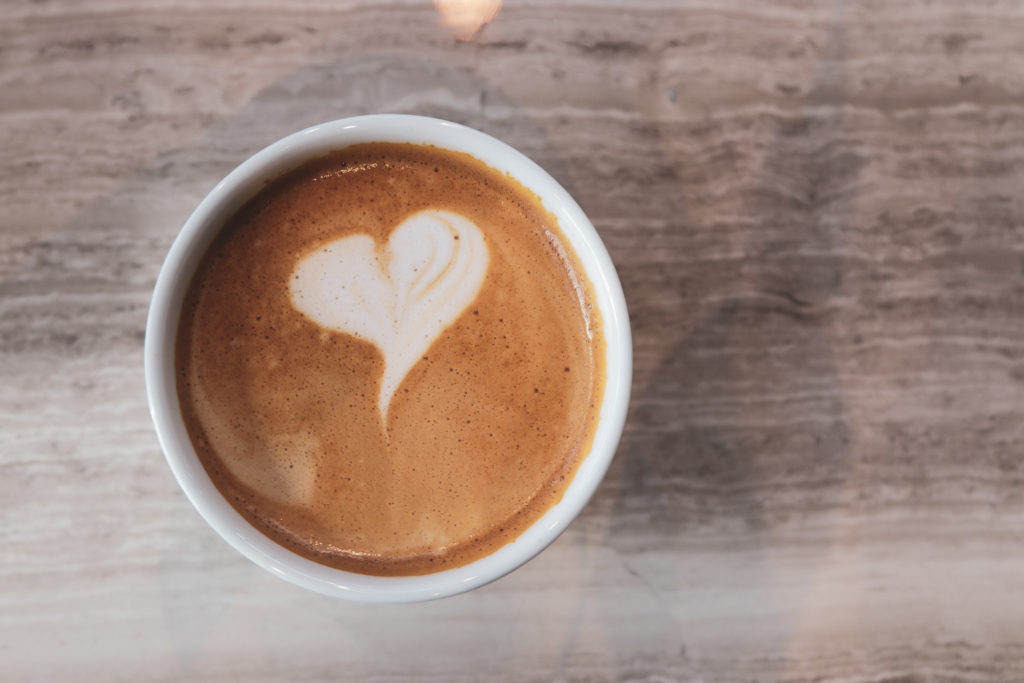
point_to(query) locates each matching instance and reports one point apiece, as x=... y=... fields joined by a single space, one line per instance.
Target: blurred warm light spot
x=467 y=17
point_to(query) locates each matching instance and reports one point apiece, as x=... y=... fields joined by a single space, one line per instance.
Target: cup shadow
x=737 y=431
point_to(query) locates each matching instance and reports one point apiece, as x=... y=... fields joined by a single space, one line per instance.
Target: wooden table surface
x=816 y=210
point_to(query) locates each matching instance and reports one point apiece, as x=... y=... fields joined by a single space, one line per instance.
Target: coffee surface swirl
x=324 y=433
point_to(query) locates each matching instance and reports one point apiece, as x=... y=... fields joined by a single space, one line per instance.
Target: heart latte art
x=386 y=361
x=400 y=296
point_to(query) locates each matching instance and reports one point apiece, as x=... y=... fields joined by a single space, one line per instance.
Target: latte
x=389 y=362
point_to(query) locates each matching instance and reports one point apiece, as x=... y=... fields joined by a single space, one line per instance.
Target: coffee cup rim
x=193 y=240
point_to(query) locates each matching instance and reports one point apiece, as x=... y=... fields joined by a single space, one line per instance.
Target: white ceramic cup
x=194 y=239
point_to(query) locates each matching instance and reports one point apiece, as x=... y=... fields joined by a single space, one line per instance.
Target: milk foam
x=400 y=296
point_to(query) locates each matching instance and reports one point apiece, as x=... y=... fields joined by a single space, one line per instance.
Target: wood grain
x=816 y=211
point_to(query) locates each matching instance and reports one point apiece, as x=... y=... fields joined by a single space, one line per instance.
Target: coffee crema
x=298 y=383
